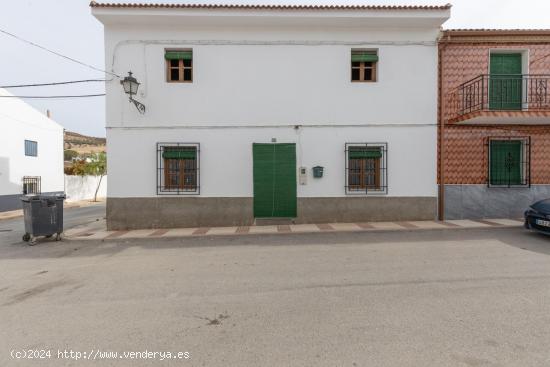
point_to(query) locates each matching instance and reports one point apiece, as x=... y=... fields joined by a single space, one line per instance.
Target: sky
x=67 y=27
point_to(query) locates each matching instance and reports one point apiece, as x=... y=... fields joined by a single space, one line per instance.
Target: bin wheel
x=48 y=236
x=58 y=237
x=26 y=237
x=32 y=241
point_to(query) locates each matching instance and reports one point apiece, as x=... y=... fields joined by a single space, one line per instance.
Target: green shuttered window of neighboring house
x=274 y=176
x=506 y=166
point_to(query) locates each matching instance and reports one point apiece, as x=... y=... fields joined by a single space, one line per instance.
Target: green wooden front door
x=505 y=83
x=274 y=171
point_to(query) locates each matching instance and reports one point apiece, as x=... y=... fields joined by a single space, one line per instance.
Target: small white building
x=31 y=152
x=246 y=105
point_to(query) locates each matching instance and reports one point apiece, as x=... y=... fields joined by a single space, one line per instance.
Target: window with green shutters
x=179 y=66
x=364 y=65
x=177 y=168
x=366 y=168
x=509 y=162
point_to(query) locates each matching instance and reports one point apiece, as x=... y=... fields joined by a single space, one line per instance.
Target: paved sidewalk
x=97 y=231
x=75 y=204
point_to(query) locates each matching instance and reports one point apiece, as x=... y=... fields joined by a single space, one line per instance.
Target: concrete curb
x=100 y=233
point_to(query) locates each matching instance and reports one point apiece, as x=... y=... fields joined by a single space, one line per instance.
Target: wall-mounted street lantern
x=131 y=85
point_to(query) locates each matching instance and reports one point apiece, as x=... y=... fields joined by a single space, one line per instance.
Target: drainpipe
x=441 y=140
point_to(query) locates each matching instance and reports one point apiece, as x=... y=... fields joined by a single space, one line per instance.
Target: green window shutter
x=274 y=178
x=360 y=152
x=181 y=153
x=505 y=165
x=178 y=55
x=364 y=56
x=506 y=82
x=505 y=64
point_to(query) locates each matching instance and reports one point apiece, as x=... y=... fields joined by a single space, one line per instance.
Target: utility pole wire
x=52 y=97
x=54 y=83
x=57 y=53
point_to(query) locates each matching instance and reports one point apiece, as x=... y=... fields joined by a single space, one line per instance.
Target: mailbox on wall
x=317 y=171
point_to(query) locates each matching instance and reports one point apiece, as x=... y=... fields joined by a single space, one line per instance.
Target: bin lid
x=30 y=197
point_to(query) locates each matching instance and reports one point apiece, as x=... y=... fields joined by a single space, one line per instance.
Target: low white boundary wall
x=83 y=187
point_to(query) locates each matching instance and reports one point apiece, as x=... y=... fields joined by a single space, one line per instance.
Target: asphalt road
x=419 y=298
x=12 y=230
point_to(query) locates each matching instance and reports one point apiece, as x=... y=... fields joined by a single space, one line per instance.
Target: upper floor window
x=364 y=65
x=31 y=148
x=179 y=66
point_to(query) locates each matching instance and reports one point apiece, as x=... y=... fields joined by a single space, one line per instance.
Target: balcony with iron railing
x=501 y=99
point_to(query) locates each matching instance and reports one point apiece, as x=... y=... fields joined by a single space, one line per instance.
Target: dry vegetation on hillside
x=83 y=144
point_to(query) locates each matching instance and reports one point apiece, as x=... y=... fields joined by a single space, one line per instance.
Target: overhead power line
x=58 y=54
x=53 y=97
x=54 y=83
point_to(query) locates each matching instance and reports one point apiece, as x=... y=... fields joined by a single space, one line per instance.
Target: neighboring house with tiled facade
x=494 y=121
x=245 y=105
x=31 y=152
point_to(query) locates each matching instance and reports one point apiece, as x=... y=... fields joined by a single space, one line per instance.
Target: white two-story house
x=308 y=114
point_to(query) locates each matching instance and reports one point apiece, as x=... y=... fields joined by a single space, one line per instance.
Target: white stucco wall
x=292 y=78
x=21 y=122
x=226 y=158
x=262 y=80
x=83 y=187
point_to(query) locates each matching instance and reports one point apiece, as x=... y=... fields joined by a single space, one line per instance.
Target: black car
x=538 y=216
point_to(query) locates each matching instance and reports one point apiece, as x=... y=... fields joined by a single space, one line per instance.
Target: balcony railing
x=501 y=93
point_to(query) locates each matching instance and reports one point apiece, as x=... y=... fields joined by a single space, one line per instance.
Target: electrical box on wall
x=302 y=176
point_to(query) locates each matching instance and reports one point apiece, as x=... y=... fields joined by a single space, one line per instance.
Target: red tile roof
x=94 y=4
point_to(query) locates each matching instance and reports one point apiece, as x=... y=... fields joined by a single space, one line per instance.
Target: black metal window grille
x=31 y=185
x=366 y=168
x=508 y=161
x=178 y=168
x=31 y=148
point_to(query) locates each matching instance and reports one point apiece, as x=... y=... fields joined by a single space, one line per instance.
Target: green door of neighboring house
x=274 y=171
x=505 y=82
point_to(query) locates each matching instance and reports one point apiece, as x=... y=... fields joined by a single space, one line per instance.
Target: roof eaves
x=484 y=35
x=95 y=4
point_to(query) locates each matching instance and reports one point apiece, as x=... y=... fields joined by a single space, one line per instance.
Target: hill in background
x=83 y=144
